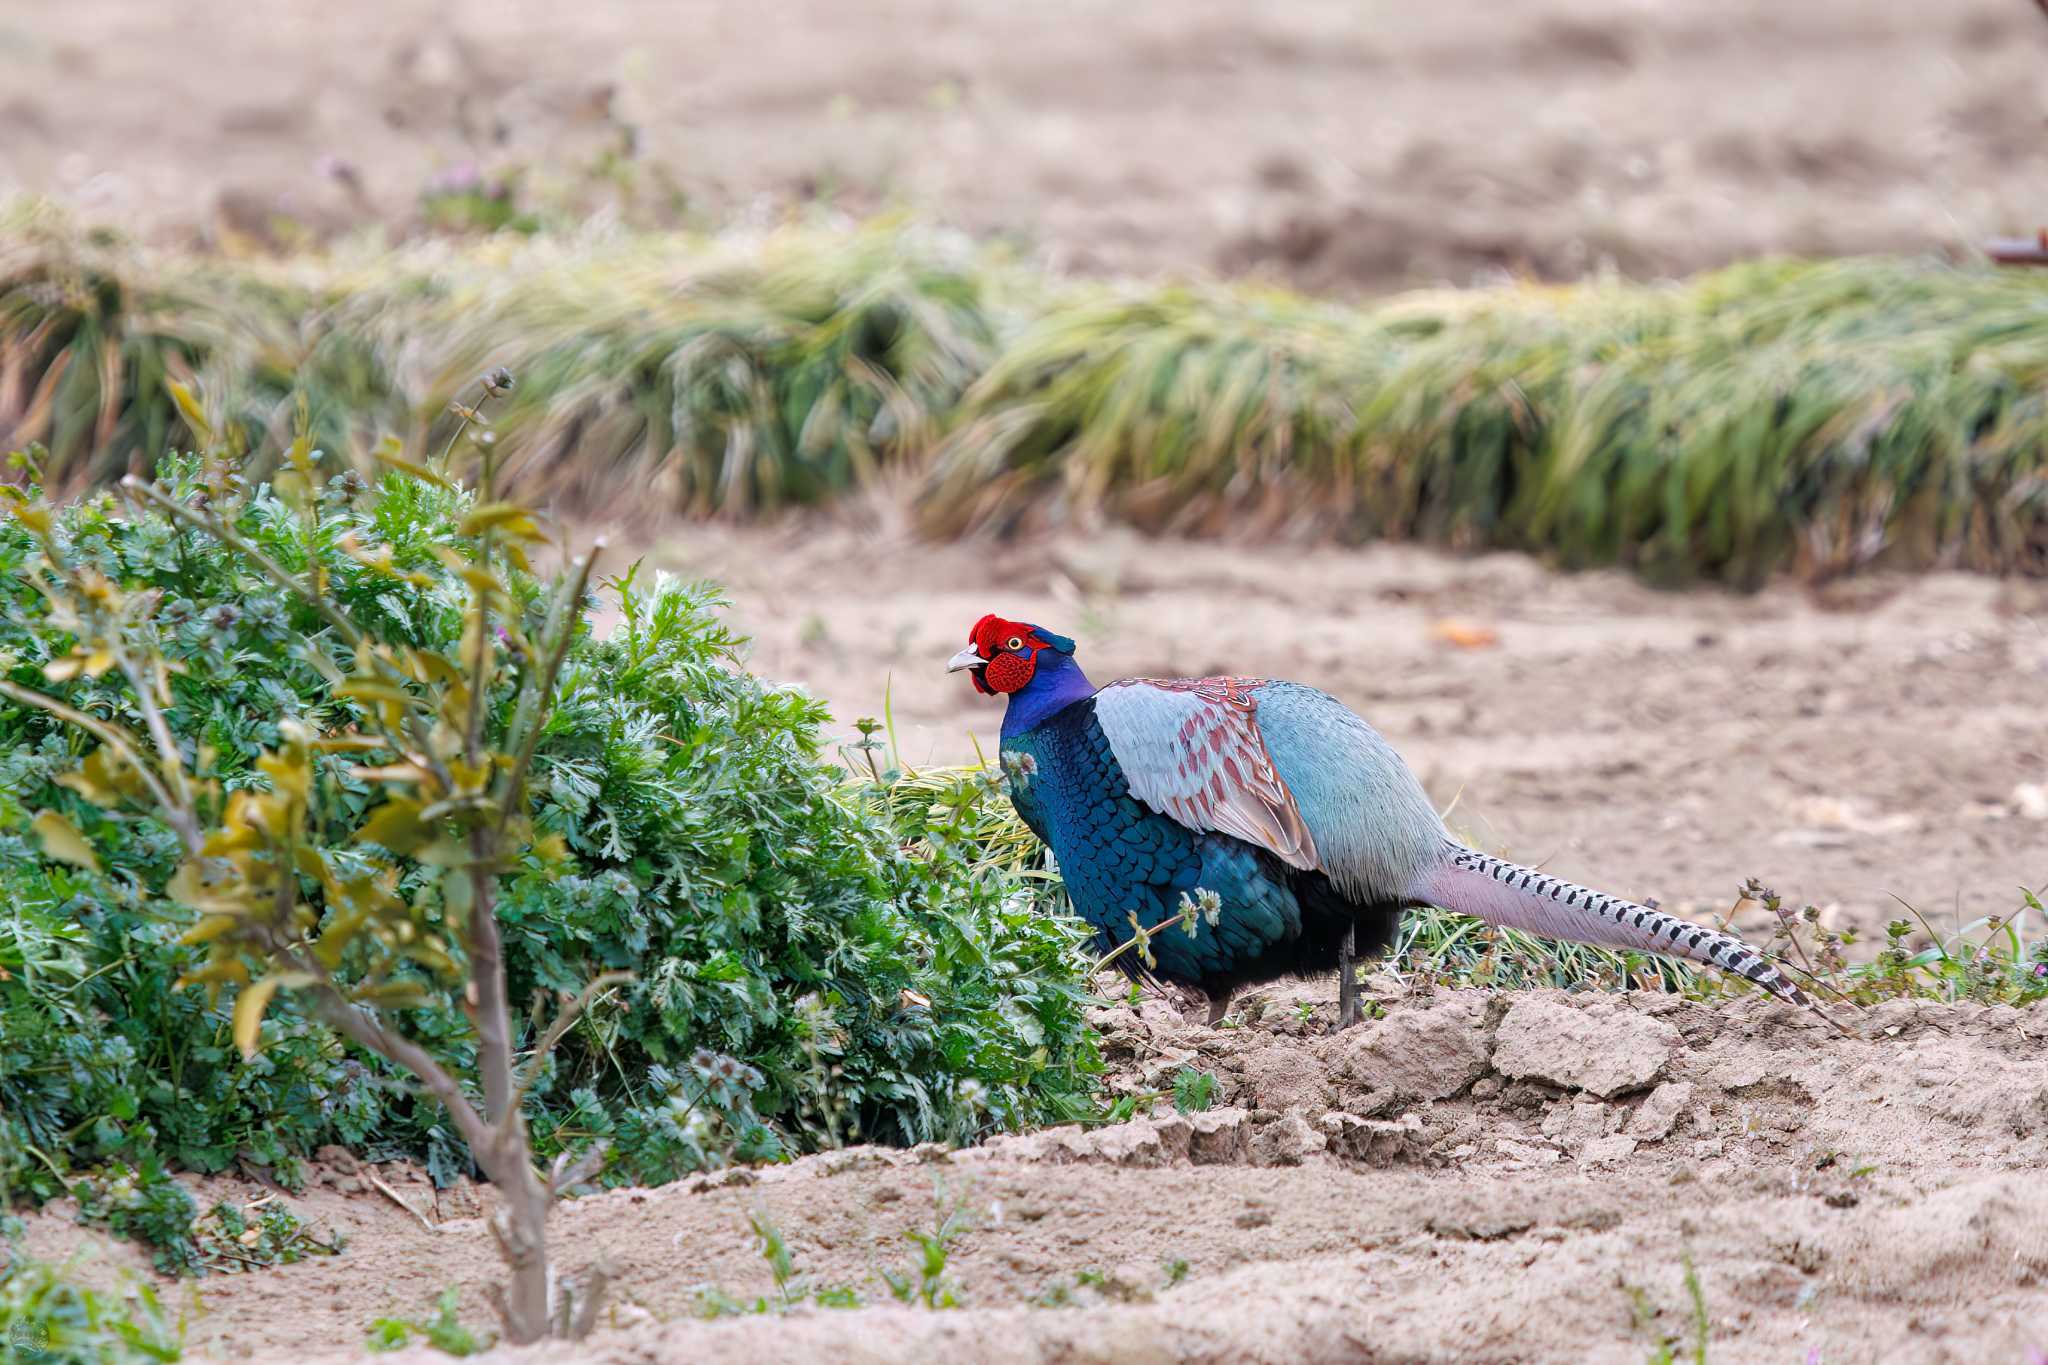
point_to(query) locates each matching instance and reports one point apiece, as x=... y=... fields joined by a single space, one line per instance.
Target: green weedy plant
x=1996 y=960
x=790 y=1290
x=445 y=1333
x=50 y=1316
x=285 y=890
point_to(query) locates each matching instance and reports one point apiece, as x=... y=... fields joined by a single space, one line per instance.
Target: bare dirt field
x=1464 y=1179
x=1335 y=143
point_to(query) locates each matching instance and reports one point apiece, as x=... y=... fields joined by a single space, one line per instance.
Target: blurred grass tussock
x=1815 y=417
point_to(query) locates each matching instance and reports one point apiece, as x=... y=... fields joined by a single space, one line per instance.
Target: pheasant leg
x=1347 y=981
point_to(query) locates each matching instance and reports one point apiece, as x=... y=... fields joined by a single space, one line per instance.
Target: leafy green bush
x=818 y=960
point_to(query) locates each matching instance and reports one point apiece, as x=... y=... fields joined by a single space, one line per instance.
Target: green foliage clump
x=146 y=1204
x=1996 y=960
x=1193 y=1091
x=50 y=1315
x=816 y=960
x=445 y=1332
x=1816 y=416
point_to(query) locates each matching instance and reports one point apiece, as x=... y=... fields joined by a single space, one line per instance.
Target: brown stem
x=594 y=1288
x=520 y=1228
x=568 y=1174
x=362 y=1027
x=491 y=1016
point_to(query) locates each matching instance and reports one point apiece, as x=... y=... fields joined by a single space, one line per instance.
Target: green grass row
x=1806 y=416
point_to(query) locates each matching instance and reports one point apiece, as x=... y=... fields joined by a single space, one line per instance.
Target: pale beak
x=966 y=658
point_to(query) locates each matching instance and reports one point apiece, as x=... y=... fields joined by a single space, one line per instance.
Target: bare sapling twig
x=452 y=743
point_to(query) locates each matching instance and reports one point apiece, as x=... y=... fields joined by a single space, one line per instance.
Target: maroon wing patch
x=1191 y=749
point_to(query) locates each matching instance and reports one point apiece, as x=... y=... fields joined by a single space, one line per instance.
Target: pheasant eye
x=1016 y=642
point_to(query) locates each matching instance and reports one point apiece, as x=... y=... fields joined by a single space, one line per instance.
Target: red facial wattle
x=1011 y=649
x=1008 y=672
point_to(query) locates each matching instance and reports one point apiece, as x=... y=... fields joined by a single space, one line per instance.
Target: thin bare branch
x=395 y=1197
x=568 y=1174
x=598 y=1281
x=218 y=528
x=491 y=1014
x=181 y=811
x=362 y=1027
x=564 y=1021
x=115 y=738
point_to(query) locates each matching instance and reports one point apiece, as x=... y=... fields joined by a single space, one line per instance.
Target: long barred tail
x=1517 y=897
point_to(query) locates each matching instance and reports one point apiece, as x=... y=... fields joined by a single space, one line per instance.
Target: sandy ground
x=1882 y=739
x=1468 y=1178
x=1337 y=143
x=1462 y=1179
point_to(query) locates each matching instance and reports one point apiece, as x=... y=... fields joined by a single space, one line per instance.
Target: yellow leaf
x=391 y=772
x=389 y=453
x=360 y=688
x=63 y=842
x=335 y=938
x=188 y=887
x=309 y=862
x=429 y=666
x=34 y=515
x=83 y=784
x=355 y=743
x=195 y=418
x=394 y=995
x=291 y=778
x=208 y=929
x=249 y=1007
x=215 y=972
x=396 y=825
x=508 y=517
x=238 y=829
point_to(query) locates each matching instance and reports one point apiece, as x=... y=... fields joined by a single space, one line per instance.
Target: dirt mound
x=1464 y=1178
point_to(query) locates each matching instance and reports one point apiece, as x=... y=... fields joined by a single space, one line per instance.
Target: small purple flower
x=461 y=178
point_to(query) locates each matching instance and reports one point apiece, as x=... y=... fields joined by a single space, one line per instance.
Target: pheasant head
x=1006 y=657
